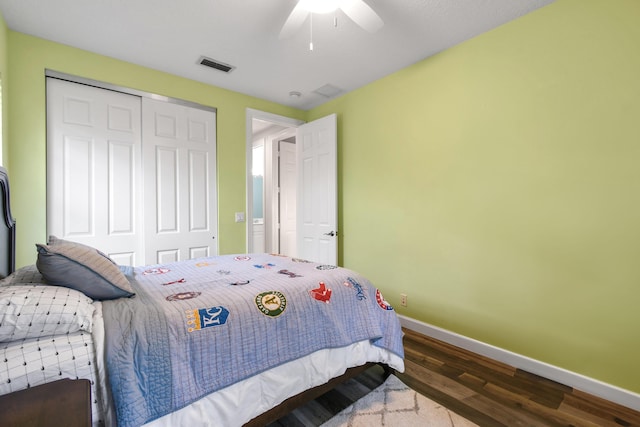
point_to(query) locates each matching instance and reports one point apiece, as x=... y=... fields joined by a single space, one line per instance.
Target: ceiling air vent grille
x=212 y=63
x=328 y=91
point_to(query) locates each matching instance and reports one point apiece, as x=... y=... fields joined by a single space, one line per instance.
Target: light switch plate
x=239 y=216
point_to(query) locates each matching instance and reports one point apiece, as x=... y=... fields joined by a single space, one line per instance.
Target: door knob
x=331 y=233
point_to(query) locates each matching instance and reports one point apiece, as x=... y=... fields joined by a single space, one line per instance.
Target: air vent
x=328 y=91
x=212 y=63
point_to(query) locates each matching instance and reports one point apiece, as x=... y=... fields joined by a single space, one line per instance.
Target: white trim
x=130 y=91
x=588 y=385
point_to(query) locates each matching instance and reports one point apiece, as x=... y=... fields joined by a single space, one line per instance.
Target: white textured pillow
x=28 y=274
x=33 y=311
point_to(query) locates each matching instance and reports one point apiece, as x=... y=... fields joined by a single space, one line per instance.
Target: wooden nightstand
x=60 y=403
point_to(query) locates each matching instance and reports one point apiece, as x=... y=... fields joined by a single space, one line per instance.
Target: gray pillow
x=82 y=268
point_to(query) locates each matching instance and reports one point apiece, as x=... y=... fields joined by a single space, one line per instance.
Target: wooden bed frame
x=308 y=395
x=7 y=229
x=8 y=263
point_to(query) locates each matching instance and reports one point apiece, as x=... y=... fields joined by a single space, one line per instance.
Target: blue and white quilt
x=198 y=326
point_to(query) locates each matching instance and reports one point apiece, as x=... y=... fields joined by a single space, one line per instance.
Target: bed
x=229 y=340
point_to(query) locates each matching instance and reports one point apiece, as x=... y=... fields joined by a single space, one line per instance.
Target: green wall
x=497 y=184
x=5 y=97
x=30 y=56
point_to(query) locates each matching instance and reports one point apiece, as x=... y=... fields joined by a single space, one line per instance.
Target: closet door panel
x=94 y=168
x=180 y=157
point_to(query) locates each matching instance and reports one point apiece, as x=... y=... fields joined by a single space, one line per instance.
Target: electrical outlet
x=403 y=300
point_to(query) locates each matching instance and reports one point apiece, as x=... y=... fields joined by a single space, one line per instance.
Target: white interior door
x=287 y=200
x=93 y=168
x=317 y=191
x=179 y=158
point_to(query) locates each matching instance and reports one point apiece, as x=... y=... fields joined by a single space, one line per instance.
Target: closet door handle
x=331 y=233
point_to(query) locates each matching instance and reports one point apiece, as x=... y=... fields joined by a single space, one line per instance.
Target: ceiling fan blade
x=294 y=21
x=362 y=14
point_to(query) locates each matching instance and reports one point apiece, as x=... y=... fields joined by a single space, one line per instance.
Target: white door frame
x=252 y=114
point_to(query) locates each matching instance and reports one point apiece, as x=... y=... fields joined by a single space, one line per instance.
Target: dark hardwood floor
x=490 y=393
x=482 y=390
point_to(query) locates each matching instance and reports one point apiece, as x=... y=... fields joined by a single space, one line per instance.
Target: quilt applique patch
x=289 y=273
x=271 y=303
x=242 y=258
x=351 y=283
x=158 y=270
x=205 y=264
x=265 y=266
x=174 y=282
x=321 y=293
x=299 y=260
x=201 y=318
x=326 y=267
x=224 y=272
x=381 y=302
x=183 y=296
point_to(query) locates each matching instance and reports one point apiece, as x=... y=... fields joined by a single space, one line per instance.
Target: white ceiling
x=171 y=36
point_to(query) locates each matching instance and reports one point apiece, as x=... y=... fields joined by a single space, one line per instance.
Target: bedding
x=30 y=362
x=239 y=403
x=81 y=267
x=46 y=335
x=34 y=311
x=225 y=319
x=28 y=274
x=271 y=364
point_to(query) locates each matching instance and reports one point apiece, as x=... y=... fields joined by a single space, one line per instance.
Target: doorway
x=271 y=193
x=316 y=195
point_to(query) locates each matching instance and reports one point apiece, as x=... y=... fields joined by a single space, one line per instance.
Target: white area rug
x=395 y=404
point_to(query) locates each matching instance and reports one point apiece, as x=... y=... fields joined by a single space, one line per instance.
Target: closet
x=131 y=174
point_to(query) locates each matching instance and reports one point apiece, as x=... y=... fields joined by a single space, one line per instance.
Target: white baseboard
x=580 y=382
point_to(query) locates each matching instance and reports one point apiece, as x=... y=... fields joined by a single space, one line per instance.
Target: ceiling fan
x=357 y=10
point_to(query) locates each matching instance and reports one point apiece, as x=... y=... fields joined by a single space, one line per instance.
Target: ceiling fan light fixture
x=356 y=10
x=321 y=6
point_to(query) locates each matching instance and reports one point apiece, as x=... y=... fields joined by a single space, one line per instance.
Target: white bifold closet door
x=179 y=160
x=131 y=176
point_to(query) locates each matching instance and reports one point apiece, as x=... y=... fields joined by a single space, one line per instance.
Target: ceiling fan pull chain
x=311 y=32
